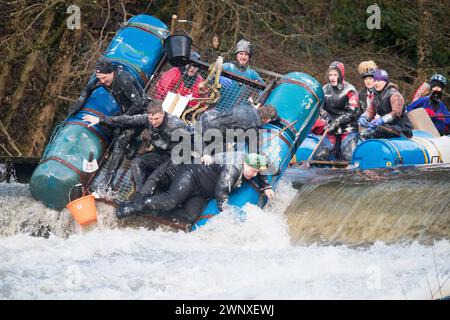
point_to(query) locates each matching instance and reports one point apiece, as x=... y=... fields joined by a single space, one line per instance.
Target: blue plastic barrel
x=381 y=153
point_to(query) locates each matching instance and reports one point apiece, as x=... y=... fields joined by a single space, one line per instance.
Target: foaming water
x=228 y=258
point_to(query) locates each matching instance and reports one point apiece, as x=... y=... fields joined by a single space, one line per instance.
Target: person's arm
x=265 y=186
x=137 y=98
x=84 y=95
x=228 y=176
x=349 y=115
x=415 y=105
x=123 y=121
x=445 y=112
x=397 y=104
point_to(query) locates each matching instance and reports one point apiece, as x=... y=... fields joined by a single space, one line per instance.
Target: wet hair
x=154 y=107
x=268 y=113
x=104 y=65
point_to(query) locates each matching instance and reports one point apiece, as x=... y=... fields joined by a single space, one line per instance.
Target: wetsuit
x=160 y=138
x=199 y=181
x=340 y=110
x=132 y=100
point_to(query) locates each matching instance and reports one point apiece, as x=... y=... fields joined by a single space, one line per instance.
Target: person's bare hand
x=93 y=120
x=207 y=160
x=269 y=193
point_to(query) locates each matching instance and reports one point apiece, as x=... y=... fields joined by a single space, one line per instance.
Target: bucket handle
x=71 y=189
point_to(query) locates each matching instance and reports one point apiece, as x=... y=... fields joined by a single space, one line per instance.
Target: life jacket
x=336 y=100
x=382 y=100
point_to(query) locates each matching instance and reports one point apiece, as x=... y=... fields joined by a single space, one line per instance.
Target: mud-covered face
x=156 y=119
x=242 y=57
x=333 y=77
x=368 y=82
x=249 y=172
x=105 y=78
x=379 y=85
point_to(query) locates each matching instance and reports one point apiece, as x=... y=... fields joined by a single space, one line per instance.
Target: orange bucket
x=83 y=210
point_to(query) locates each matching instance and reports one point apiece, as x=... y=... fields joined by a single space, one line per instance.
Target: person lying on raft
x=131 y=98
x=389 y=104
x=217 y=180
x=434 y=105
x=160 y=126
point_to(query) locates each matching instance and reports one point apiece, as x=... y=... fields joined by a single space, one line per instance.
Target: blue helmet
x=438 y=80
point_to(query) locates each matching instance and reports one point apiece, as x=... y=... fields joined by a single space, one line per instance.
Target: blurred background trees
x=44 y=65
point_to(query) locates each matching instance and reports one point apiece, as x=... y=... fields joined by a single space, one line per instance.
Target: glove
x=74 y=109
x=376 y=123
x=363 y=122
x=225 y=82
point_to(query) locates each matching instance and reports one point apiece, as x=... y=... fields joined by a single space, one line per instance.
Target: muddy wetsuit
x=130 y=96
x=340 y=109
x=160 y=138
x=195 y=181
x=389 y=105
x=242 y=116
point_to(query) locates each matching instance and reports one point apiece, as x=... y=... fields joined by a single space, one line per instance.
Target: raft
x=422 y=148
x=138 y=47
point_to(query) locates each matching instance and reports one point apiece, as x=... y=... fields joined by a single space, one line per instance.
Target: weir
x=359 y=208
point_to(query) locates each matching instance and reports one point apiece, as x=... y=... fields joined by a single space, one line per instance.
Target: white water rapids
x=225 y=259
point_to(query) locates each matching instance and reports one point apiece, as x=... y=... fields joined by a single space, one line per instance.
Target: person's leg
x=188 y=212
x=181 y=188
x=116 y=156
x=348 y=145
x=326 y=148
x=142 y=166
x=160 y=178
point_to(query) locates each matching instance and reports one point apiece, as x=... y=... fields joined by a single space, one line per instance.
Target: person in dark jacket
x=340 y=110
x=243 y=116
x=433 y=104
x=389 y=104
x=131 y=98
x=366 y=70
x=204 y=182
x=160 y=125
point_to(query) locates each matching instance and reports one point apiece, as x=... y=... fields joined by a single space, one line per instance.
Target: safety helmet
x=367 y=68
x=244 y=46
x=438 y=80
